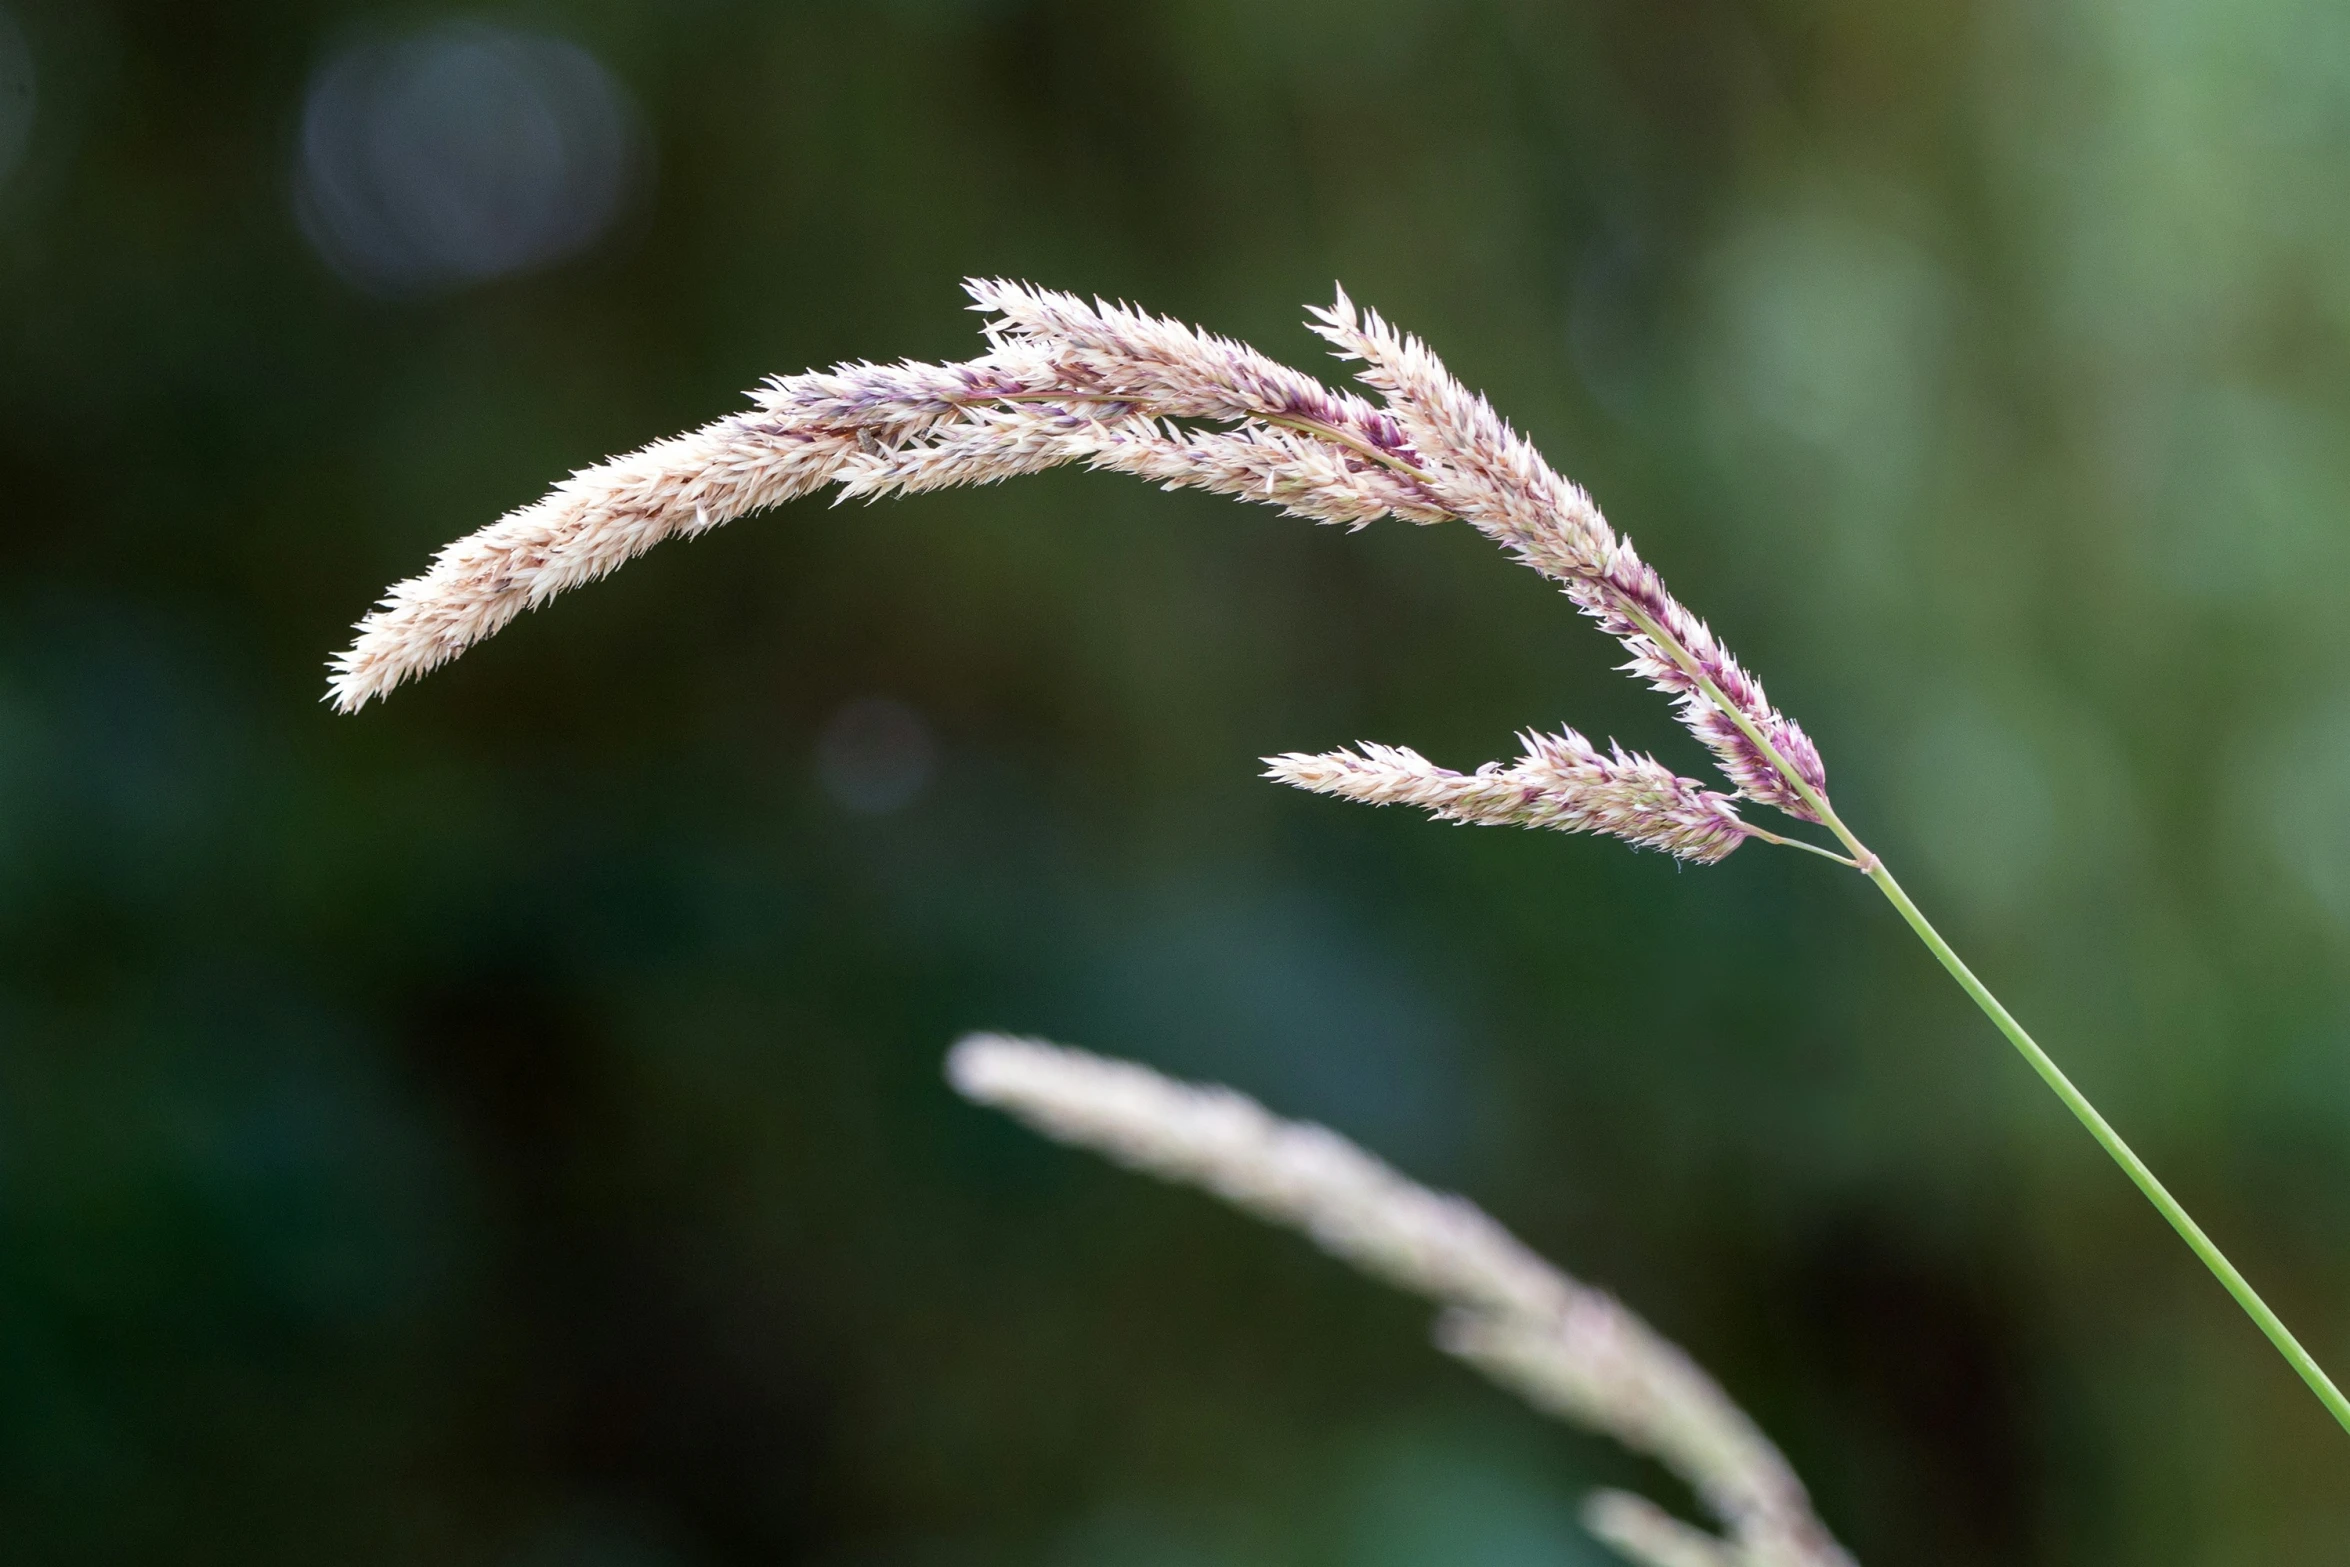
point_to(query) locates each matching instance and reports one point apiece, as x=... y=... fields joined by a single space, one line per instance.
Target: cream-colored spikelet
x=1561 y=782
x=804 y=428
x=1569 y=1349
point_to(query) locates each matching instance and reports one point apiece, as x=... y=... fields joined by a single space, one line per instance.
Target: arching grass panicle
x=1108 y=386
x=1067 y=381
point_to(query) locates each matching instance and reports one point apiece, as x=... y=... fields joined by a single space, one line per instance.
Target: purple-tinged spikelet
x=1495 y=480
x=1255 y=462
x=1561 y=782
x=1628 y=585
x=1480 y=469
x=895 y=401
x=1118 y=353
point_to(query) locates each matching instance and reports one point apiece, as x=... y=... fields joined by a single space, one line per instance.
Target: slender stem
x=2078 y=1103
x=2111 y=1141
x=1753 y=831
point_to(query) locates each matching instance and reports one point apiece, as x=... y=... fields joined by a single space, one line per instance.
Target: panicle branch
x=1561 y=782
x=1257 y=462
x=1491 y=477
x=1482 y=471
x=601 y=517
x=1569 y=1349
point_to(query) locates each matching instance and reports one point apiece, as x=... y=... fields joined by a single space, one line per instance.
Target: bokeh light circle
x=461 y=154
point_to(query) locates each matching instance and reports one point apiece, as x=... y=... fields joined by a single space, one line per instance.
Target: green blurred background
x=505 y=1128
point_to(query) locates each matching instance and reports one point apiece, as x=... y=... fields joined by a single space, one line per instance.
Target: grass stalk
x=2201 y=1244
x=2111 y=1141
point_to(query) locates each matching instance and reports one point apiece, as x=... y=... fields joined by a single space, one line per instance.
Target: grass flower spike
x=1567 y=1348
x=1065 y=381
x=1561 y=782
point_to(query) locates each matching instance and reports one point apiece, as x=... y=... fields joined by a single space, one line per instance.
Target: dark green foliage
x=504 y=1127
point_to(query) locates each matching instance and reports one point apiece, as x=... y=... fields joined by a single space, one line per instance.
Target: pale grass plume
x=1561 y=782
x=1569 y=1349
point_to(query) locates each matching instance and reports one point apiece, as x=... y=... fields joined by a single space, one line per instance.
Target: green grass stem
x=2230 y=1278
